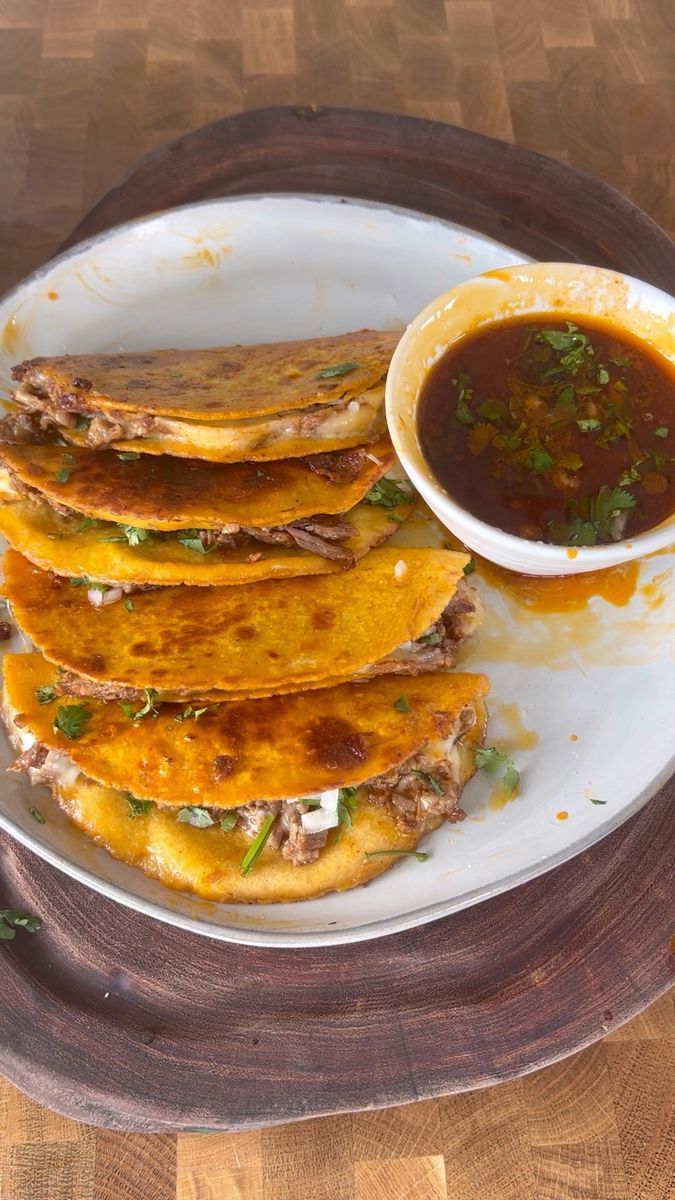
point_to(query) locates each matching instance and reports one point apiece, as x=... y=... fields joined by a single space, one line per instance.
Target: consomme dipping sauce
x=553 y=430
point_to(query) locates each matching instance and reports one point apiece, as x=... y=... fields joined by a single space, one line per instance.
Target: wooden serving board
x=117 y=1020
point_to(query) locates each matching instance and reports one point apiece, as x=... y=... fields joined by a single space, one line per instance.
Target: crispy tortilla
x=101 y=553
x=280 y=747
x=162 y=493
x=276 y=636
x=207 y=862
x=279 y=400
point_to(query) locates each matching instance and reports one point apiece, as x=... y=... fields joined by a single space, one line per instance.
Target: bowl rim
x=542 y=557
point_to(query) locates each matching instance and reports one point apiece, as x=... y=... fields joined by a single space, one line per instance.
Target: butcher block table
x=85 y=87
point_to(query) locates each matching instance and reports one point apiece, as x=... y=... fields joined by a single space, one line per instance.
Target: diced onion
x=400 y=569
x=99 y=598
x=353 y=406
x=374 y=458
x=318 y=819
x=329 y=800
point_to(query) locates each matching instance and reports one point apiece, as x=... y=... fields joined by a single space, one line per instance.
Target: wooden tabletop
x=85 y=87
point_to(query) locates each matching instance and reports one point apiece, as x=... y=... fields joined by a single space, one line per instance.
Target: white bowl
x=550 y=289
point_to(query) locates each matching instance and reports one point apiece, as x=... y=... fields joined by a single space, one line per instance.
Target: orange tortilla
x=279 y=748
x=59 y=544
x=275 y=635
x=168 y=493
x=221 y=383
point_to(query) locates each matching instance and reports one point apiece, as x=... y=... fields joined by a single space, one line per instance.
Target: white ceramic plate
x=271 y=268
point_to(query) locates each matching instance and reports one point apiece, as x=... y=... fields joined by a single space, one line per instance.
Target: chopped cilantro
x=334 y=372
x=417 y=854
x=593 y=518
x=86 y=523
x=147 y=710
x=470 y=567
x=63 y=475
x=255 y=849
x=538 y=461
x=228 y=821
x=587 y=424
x=131 y=534
x=188 y=712
x=347 y=805
x=82 y=424
x=129 y=604
x=82 y=581
x=403 y=703
x=190 y=538
x=593 y=801
x=429 y=639
x=37 y=815
x=602 y=375
x=388 y=492
x=572 y=349
x=662 y=431
x=199 y=817
x=11 y=920
x=489 y=758
x=45 y=694
x=137 y=808
x=619 y=360
x=70 y=720
x=464 y=394
x=128 y=455
x=431 y=782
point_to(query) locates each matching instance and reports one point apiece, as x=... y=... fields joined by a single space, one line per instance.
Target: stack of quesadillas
x=234 y=690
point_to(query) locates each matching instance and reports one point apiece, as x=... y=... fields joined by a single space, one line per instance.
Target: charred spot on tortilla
x=336 y=744
x=223 y=765
x=323 y=618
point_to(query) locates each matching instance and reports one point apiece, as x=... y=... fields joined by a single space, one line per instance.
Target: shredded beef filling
x=59 y=406
x=70 y=684
x=340 y=466
x=321 y=535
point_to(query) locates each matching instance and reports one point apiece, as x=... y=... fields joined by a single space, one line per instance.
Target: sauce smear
x=553 y=431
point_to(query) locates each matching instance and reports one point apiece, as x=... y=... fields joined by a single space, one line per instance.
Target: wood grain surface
x=598 y=1126
x=87 y=85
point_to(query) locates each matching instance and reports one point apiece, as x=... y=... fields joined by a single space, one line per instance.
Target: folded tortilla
x=279 y=400
x=150 y=522
x=390 y=766
x=169 y=494
x=399 y=611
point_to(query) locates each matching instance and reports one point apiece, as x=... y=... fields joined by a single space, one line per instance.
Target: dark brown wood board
x=195 y=1033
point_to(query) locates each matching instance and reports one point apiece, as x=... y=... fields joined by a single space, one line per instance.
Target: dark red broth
x=555 y=431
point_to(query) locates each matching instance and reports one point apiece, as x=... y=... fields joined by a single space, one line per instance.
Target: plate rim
x=368 y=930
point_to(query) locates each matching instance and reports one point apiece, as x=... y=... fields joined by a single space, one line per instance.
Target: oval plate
x=271 y=268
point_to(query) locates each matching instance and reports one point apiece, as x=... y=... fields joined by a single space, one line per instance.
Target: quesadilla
x=399 y=611
x=279 y=400
x=265 y=800
x=132 y=521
